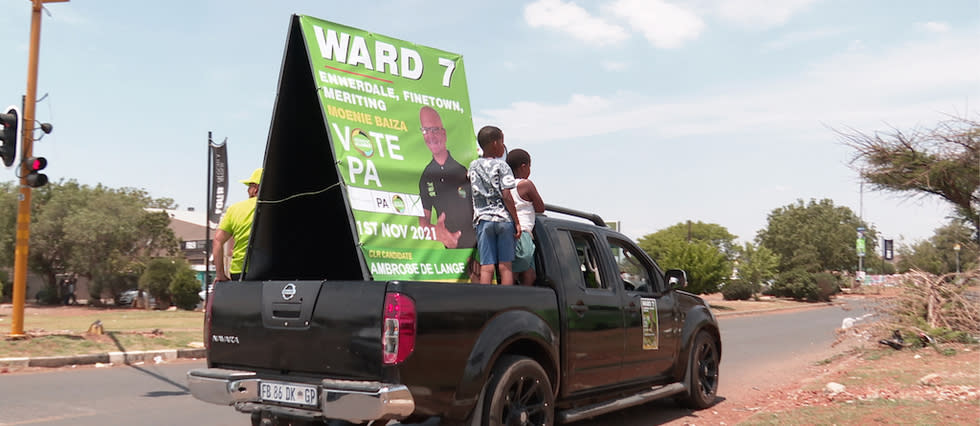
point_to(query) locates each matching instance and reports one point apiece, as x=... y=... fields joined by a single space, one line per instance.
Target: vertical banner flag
x=219 y=179
x=398 y=115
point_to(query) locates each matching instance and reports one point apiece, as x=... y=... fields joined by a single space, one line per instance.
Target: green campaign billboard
x=399 y=121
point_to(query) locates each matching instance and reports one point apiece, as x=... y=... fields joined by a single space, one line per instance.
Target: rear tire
x=702 y=382
x=519 y=393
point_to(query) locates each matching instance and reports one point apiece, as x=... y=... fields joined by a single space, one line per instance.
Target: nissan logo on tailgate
x=288 y=291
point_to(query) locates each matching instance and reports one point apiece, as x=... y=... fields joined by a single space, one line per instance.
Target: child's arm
x=529 y=192
x=509 y=204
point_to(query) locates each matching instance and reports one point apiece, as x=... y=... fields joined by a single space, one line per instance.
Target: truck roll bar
x=577 y=213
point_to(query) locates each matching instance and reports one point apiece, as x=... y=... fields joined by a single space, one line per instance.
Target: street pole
x=27 y=151
x=956 y=248
x=859 y=248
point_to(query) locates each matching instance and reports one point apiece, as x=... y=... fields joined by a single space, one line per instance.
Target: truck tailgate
x=323 y=328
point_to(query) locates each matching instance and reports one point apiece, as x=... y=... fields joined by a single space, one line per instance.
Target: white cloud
x=901 y=86
x=936 y=27
x=614 y=66
x=760 y=14
x=798 y=37
x=572 y=19
x=663 y=24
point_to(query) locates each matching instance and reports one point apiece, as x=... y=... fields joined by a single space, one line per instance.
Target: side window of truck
x=634 y=273
x=585 y=248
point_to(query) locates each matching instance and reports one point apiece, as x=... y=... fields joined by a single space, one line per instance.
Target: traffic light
x=8 y=135
x=33 y=178
x=889 y=248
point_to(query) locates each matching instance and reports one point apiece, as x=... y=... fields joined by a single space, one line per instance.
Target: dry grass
x=943 y=307
x=62 y=330
x=719 y=305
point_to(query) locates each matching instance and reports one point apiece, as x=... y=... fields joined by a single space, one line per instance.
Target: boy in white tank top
x=527 y=202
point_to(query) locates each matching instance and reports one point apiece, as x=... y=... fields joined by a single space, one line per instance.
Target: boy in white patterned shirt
x=494 y=214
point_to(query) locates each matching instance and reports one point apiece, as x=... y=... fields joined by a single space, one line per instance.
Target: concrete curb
x=130 y=357
x=777 y=309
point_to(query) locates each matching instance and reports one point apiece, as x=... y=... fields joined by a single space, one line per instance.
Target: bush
x=827 y=285
x=738 y=290
x=937 y=306
x=185 y=288
x=801 y=285
x=157 y=277
x=6 y=287
x=47 y=295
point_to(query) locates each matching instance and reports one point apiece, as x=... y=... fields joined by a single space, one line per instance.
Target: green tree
x=706 y=266
x=715 y=235
x=921 y=255
x=937 y=254
x=943 y=161
x=100 y=233
x=50 y=248
x=756 y=265
x=8 y=223
x=816 y=236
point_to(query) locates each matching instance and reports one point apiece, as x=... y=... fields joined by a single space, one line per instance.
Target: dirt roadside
x=857 y=381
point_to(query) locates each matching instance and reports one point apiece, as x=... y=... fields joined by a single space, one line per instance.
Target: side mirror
x=676 y=278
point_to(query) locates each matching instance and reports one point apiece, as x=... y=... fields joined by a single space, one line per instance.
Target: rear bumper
x=338 y=399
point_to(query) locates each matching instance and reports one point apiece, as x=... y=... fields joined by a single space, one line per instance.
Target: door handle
x=579 y=307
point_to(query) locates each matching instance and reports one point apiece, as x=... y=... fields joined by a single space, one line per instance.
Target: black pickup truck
x=602 y=328
x=310 y=335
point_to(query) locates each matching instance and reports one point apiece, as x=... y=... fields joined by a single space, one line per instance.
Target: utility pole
x=956 y=248
x=24 y=200
x=860 y=237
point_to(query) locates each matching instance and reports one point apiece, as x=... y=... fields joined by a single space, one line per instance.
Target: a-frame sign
x=365 y=163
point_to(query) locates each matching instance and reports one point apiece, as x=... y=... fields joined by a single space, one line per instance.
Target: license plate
x=289 y=393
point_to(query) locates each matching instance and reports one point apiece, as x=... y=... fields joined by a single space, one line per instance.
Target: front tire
x=702 y=383
x=519 y=393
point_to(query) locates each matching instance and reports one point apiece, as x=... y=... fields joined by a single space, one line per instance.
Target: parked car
x=128 y=297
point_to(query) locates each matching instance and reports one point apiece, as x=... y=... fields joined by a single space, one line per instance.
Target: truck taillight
x=399 y=328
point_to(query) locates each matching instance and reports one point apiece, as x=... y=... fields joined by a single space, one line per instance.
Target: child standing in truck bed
x=494 y=214
x=527 y=202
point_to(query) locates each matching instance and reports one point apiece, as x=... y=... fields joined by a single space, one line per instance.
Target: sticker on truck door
x=651 y=324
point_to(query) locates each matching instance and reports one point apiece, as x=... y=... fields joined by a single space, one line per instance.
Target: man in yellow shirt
x=236 y=225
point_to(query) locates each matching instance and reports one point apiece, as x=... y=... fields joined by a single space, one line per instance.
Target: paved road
x=756 y=350
x=157 y=394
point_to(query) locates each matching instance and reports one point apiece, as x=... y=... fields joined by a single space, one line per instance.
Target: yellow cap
x=255 y=178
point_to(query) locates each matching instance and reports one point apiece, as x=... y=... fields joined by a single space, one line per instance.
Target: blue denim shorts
x=495 y=241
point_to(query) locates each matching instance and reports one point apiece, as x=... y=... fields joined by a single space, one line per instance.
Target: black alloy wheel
x=703 y=385
x=520 y=395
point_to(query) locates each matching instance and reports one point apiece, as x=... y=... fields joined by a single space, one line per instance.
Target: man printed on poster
x=445 y=187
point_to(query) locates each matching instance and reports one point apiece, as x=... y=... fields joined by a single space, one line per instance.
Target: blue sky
x=650 y=112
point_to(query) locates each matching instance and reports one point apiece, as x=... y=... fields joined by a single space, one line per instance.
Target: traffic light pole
x=24 y=200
